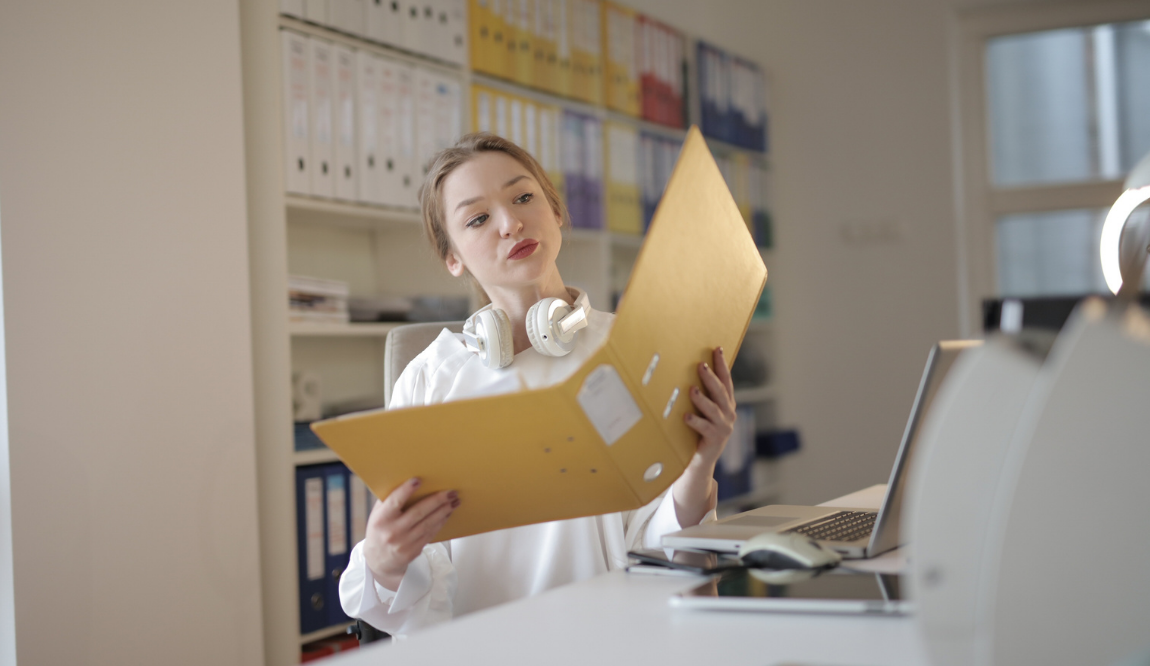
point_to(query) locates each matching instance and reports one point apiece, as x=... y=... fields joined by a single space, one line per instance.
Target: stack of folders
x=746 y=178
x=332 y=506
x=360 y=126
x=432 y=28
x=657 y=156
x=551 y=45
x=733 y=98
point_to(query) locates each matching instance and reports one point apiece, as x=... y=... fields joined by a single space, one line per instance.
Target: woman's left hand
x=695 y=492
x=716 y=419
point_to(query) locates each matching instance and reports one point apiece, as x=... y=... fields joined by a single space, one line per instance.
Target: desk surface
x=624 y=618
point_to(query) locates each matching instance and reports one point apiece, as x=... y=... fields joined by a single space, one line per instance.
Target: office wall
x=865 y=270
x=128 y=335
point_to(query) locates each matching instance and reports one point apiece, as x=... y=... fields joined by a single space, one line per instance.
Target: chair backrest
x=404 y=343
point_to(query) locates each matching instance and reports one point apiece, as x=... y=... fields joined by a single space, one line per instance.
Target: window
x=1054 y=111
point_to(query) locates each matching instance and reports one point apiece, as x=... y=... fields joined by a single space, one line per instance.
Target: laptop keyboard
x=841 y=526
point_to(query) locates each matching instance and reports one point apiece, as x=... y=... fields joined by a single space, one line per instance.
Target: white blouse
x=471 y=573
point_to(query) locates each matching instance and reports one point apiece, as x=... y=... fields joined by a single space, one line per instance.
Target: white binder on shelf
x=367 y=156
x=501 y=128
x=390 y=172
x=292 y=8
x=448 y=112
x=426 y=100
x=409 y=179
x=516 y=119
x=317 y=11
x=411 y=30
x=297 y=151
x=484 y=112
x=344 y=115
x=456 y=32
x=350 y=16
x=320 y=79
x=385 y=21
x=531 y=129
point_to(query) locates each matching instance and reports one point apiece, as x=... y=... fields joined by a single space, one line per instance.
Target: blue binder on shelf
x=310 y=539
x=337 y=536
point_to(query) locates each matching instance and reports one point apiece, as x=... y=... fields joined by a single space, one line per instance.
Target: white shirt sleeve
x=424 y=596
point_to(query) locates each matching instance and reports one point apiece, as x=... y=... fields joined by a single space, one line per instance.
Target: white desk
x=621 y=618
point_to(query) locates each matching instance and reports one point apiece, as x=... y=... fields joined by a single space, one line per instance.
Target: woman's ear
x=454 y=264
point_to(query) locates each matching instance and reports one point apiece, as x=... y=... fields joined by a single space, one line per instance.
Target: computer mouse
x=786 y=551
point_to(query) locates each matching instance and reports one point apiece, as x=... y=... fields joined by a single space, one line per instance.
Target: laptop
x=836 y=593
x=854 y=533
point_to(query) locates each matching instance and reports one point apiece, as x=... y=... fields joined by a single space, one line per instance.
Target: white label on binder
x=501 y=116
x=516 y=122
x=608 y=404
x=336 y=516
x=483 y=112
x=359 y=509
x=530 y=133
x=313 y=524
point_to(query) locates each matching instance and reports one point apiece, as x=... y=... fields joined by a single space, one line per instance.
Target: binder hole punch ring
x=324 y=168
x=653 y=472
x=300 y=162
x=390 y=164
x=671 y=402
x=547 y=450
x=563 y=471
x=371 y=161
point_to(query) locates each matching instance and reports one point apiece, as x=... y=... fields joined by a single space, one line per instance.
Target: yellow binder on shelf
x=479 y=23
x=611 y=437
x=620 y=73
x=624 y=208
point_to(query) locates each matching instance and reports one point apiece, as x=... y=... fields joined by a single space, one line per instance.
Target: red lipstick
x=523 y=249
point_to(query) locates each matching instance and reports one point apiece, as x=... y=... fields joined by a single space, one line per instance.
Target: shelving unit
x=377 y=250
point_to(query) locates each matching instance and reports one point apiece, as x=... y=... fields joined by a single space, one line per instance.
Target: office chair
x=403 y=343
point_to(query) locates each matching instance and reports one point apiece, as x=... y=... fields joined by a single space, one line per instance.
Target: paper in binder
x=321 y=79
x=345 y=134
x=611 y=437
x=456 y=32
x=296 y=120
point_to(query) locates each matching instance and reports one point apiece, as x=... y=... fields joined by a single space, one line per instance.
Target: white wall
x=128 y=335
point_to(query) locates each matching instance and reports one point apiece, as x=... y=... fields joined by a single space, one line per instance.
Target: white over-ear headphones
x=551 y=328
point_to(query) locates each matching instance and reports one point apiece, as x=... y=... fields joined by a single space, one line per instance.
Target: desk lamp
x=1110 y=246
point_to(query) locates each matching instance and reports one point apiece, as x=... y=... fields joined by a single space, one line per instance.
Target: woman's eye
x=477 y=220
x=524 y=198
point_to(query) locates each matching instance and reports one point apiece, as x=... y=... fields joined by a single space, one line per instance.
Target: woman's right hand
x=396 y=536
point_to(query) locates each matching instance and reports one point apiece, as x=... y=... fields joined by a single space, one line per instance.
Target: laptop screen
x=886 y=530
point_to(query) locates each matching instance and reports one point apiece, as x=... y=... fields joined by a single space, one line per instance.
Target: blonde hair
x=431 y=192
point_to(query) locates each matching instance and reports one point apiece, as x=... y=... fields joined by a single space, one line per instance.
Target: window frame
x=979 y=202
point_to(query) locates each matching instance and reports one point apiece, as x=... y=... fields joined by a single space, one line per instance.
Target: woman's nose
x=509 y=225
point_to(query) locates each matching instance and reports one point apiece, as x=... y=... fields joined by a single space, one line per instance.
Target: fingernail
x=707 y=367
x=453 y=496
x=455 y=503
x=720 y=351
x=415 y=483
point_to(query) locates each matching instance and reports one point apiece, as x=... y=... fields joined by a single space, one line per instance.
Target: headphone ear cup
x=495 y=327
x=540 y=331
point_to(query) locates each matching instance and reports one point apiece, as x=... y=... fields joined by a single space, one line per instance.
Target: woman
x=494 y=217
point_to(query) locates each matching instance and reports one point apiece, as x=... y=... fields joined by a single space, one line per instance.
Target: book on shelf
x=313 y=299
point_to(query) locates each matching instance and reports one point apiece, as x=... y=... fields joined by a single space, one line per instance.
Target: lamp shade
x=1137 y=191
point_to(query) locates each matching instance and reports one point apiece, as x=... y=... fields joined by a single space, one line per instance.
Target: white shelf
x=326 y=632
x=314 y=457
x=364 y=43
x=309 y=329
x=755 y=394
x=341 y=213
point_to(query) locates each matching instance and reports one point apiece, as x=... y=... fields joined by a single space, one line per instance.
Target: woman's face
x=502 y=228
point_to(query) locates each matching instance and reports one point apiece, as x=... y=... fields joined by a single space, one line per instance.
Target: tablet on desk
x=833 y=593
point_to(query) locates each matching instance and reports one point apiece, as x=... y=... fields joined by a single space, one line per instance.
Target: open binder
x=611 y=437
